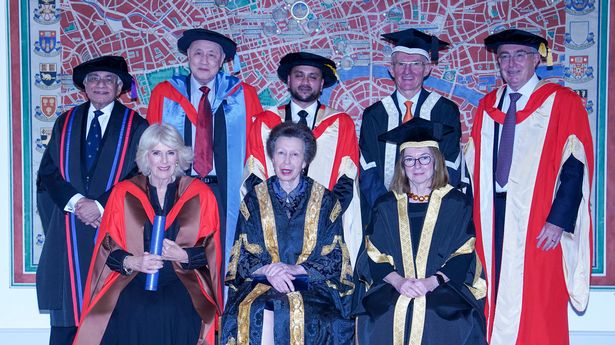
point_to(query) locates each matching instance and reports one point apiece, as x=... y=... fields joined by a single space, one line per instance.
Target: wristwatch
x=440 y=279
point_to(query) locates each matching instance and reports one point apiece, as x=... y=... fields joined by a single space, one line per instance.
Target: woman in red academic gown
x=185 y=307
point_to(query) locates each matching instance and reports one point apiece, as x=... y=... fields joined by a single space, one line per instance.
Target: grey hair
x=162 y=133
x=293 y=130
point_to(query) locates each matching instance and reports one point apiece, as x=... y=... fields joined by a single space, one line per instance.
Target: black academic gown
x=375 y=122
x=418 y=242
x=65 y=259
x=318 y=312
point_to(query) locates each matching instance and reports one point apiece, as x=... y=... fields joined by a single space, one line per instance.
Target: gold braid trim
x=267 y=221
x=479 y=285
x=375 y=255
x=244 y=210
x=466 y=248
x=399 y=319
x=401 y=307
x=297 y=323
x=252 y=248
x=337 y=209
x=243 y=315
x=346 y=271
x=312 y=214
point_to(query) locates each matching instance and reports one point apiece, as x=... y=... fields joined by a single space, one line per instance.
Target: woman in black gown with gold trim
x=424 y=279
x=289 y=279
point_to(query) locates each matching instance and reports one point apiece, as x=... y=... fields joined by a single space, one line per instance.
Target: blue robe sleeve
x=568 y=196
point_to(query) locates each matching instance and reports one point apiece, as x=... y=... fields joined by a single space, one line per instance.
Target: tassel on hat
x=133 y=90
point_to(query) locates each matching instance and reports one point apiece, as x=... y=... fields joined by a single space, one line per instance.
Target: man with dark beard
x=336 y=162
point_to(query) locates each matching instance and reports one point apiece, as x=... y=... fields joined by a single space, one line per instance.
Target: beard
x=311 y=97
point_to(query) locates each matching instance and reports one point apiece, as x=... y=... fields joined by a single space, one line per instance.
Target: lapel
x=422 y=97
x=76 y=140
x=99 y=175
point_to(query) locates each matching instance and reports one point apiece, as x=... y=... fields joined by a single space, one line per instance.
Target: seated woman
x=424 y=279
x=289 y=261
x=185 y=307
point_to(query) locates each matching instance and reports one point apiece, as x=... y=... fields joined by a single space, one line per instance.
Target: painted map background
x=49 y=38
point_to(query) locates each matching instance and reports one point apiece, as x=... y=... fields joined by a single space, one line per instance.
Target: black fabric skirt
x=163 y=317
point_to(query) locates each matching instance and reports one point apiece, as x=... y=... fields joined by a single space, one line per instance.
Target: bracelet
x=127 y=271
x=440 y=279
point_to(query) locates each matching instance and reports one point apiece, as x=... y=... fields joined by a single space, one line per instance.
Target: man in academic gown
x=92 y=148
x=336 y=163
x=213 y=111
x=530 y=156
x=411 y=64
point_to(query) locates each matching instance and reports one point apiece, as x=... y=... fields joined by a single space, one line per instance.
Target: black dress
x=166 y=316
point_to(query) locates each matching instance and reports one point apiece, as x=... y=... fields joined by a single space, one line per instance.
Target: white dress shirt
x=311 y=110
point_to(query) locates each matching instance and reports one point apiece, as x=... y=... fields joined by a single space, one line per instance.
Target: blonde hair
x=162 y=133
x=400 y=184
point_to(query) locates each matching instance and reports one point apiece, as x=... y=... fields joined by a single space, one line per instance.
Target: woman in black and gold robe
x=423 y=277
x=289 y=259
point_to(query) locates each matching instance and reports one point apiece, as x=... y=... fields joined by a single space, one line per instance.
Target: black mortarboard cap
x=413 y=38
x=326 y=66
x=417 y=132
x=107 y=63
x=228 y=45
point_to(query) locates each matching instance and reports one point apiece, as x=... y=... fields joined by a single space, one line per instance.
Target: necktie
x=203 y=141
x=408 y=115
x=303 y=117
x=93 y=140
x=507 y=141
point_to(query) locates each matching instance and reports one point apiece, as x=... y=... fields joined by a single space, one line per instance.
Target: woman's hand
x=171 y=251
x=411 y=287
x=280 y=275
x=146 y=263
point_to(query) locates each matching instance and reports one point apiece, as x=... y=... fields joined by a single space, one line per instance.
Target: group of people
x=396 y=237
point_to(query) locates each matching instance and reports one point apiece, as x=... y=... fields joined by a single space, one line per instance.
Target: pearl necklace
x=419 y=198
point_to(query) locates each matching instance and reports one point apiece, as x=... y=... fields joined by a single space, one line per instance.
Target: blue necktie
x=93 y=140
x=507 y=141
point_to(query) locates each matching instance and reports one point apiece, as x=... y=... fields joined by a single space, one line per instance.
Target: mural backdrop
x=49 y=37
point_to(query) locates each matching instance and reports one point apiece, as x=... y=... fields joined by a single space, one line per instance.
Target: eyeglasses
x=409 y=162
x=517 y=56
x=414 y=65
x=95 y=78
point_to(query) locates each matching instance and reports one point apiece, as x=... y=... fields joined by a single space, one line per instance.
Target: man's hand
x=549 y=237
x=87 y=211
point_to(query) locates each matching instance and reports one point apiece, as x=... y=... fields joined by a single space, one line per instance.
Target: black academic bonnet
x=229 y=47
x=109 y=63
x=326 y=66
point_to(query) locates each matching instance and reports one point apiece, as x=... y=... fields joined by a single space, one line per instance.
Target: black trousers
x=62 y=335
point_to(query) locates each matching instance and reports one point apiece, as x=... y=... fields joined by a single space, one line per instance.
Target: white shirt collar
x=103 y=119
x=527 y=89
x=195 y=91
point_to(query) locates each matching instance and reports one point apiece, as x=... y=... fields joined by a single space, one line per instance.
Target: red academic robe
x=535 y=286
x=129 y=208
x=337 y=155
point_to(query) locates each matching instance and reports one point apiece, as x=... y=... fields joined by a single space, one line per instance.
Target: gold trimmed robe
x=446 y=244
x=311 y=237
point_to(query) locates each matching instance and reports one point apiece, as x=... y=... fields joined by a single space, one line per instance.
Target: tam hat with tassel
x=520 y=37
